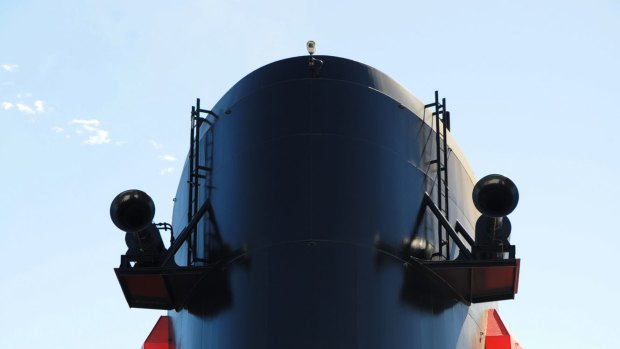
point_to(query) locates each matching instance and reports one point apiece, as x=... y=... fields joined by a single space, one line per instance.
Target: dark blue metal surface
x=309 y=173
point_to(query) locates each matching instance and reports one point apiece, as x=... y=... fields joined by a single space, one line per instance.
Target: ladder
x=200 y=170
x=442 y=125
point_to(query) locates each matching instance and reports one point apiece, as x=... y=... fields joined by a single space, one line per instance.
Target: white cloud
x=92 y=122
x=91 y=128
x=166 y=171
x=58 y=129
x=168 y=158
x=39 y=106
x=100 y=137
x=155 y=144
x=24 y=108
x=9 y=67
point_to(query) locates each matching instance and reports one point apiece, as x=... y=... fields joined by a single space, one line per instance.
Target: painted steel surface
x=310 y=170
x=160 y=337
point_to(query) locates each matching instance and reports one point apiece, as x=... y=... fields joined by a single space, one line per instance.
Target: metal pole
x=438 y=154
x=445 y=167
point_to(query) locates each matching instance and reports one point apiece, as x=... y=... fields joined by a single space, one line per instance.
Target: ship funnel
x=132 y=211
x=495 y=195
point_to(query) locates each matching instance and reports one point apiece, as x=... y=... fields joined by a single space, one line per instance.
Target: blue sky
x=95 y=99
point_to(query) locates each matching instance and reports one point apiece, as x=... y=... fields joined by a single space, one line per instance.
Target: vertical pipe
x=196 y=174
x=438 y=163
x=445 y=117
x=196 y=156
x=208 y=168
x=190 y=183
x=191 y=165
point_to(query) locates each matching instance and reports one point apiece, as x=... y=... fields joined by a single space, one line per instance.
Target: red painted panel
x=497 y=336
x=161 y=335
x=146 y=285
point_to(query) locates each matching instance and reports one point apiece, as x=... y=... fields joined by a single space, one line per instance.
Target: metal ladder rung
x=199 y=174
x=441 y=126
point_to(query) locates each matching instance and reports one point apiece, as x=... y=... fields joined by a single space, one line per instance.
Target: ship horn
x=495 y=195
x=132 y=211
x=490 y=229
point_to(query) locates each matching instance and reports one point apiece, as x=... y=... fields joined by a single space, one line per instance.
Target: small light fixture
x=312 y=62
x=311 y=47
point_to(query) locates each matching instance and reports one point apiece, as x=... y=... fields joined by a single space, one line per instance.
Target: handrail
x=174 y=248
x=444 y=222
x=460 y=229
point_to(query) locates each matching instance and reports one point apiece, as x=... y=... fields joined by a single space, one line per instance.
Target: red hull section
x=497 y=336
x=161 y=336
